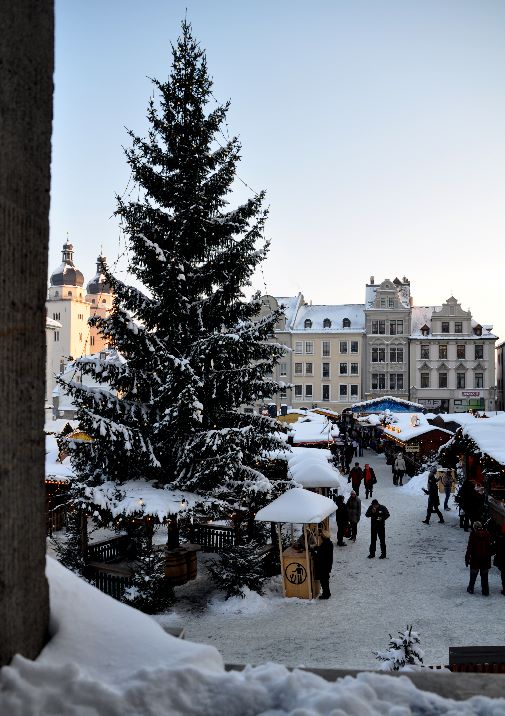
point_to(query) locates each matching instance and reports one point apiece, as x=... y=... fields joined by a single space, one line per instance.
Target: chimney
x=371 y=280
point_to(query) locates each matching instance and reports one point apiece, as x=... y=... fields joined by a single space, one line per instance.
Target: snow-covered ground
x=422 y=582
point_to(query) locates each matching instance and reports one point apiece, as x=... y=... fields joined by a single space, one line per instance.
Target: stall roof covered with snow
x=297 y=506
x=489 y=435
x=387 y=402
x=313 y=429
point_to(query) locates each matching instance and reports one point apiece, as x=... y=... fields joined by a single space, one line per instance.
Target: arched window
x=346 y=323
x=69 y=293
x=326 y=323
x=92 y=300
x=103 y=300
x=56 y=293
x=307 y=323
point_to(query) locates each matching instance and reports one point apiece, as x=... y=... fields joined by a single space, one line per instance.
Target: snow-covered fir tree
x=404 y=652
x=189 y=349
x=238 y=567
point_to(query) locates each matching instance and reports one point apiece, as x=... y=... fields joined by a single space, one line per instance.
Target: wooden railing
x=112 y=579
x=213 y=538
x=108 y=550
x=56 y=519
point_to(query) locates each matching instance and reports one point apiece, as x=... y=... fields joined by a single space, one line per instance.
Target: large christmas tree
x=189 y=349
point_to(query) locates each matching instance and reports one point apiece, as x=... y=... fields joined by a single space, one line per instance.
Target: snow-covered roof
x=420 y=316
x=51 y=323
x=61 y=471
x=489 y=435
x=313 y=428
x=141 y=498
x=406 y=426
x=298 y=506
x=460 y=418
x=302 y=454
x=336 y=315
x=388 y=401
x=291 y=304
x=403 y=291
x=314 y=473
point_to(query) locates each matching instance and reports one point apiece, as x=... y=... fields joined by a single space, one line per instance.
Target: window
x=396 y=354
x=354 y=391
x=392 y=328
x=399 y=381
x=69 y=293
x=80 y=336
x=284 y=392
x=396 y=381
x=354 y=368
x=298 y=368
x=460 y=351
x=346 y=323
x=309 y=347
x=343 y=369
x=442 y=352
x=425 y=352
x=378 y=354
x=479 y=351
x=56 y=316
x=458 y=327
x=298 y=392
x=342 y=389
x=391 y=302
x=354 y=347
x=299 y=347
x=442 y=380
x=425 y=380
x=325 y=394
x=452 y=310
x=379 y=327
x=460 y=380
x=479 y=380
x=56 y=336
x=445 y=326
x=309 y=367
x=399 y=328
x=326 y=370
x=92 y=340
x=378 y=381
x=103 y=300
x=307 y=323
x=343 y=346
x=326 y=323
x=326 y=348
x=308 y=391
x=383 y=303
x=283 y=369
x=92 y=300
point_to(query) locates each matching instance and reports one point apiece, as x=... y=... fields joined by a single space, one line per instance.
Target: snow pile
x=297 y=506
x=416 y=484
x=251 y=603
x=140 y=497
x=55 y=468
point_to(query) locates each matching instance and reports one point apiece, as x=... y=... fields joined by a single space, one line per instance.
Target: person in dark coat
x=499 y=557
x=470 y=503
x=342 y=520
x=433 y=498
x=369 y=480
x=323 y=562
x=348 y=454
x=355 y=477
x=353 y=514
x=378 y=515
x=478 y=557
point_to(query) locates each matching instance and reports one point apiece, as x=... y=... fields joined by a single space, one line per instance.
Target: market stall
x=298 y=506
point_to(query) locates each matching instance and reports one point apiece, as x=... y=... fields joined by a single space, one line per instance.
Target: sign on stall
x=412 y=448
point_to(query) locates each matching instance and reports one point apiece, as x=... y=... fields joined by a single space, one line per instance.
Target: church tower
x=99 y=298
x=66 y=303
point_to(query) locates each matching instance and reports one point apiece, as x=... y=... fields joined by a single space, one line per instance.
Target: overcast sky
x=376 y=128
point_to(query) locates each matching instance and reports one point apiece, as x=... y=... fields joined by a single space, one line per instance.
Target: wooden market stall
x=299 y=506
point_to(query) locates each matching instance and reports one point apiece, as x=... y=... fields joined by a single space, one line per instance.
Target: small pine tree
x=151 y=591
x=70 y=550
x=239 y=566
x=404 y=652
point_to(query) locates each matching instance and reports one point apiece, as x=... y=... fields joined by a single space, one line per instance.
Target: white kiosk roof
x=314 y=474
x=298 y=506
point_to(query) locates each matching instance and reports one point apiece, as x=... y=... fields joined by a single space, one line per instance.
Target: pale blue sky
x=376 y=127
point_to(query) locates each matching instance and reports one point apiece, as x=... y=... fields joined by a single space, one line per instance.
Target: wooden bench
x=477 y=659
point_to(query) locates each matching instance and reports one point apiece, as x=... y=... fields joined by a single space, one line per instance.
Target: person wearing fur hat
x=478 y=557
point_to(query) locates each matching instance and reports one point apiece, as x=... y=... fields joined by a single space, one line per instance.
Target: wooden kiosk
x=298 y=506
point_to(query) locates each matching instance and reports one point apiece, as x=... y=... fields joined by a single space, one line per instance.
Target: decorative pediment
x=478 y=366
x=425 y=366
x=461 y=366
x=443 y=367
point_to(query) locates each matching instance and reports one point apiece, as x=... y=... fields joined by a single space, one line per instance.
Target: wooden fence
x=108 y=550
x=112 y=579
x=213 y=538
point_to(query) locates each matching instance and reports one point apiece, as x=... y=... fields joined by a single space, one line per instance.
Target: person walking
x=323 y=562
x=348 y=452
x=478 y=557
x=369 y=480
x=355 y=477
x=342 y=520
x=400 y=469
x=355 y=446
x=447 y=482
x=378 y=515
x=433 y=498
x=353 y=514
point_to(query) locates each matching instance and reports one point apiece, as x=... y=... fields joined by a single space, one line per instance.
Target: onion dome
x=67 y=274
x=98 y=283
